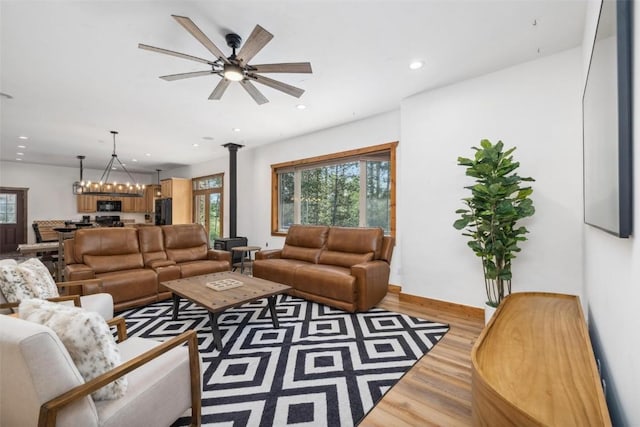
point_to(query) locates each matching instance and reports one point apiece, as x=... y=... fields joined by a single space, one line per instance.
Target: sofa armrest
x=80 y=287
x=121 y=327
x=156 y=263
x=74 y=272
x=372 y=280
x=269 y=254
x=218 y=255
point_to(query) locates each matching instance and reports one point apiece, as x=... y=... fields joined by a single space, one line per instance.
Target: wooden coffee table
x=194 y=289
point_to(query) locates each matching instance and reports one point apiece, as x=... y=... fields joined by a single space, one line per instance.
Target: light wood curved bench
x=533 y=365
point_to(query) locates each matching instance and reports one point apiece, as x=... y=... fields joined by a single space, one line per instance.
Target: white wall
x=49 y=195
x=533 y=106
x=612 y=277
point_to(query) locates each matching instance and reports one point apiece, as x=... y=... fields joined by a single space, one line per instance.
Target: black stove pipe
x=233 y=189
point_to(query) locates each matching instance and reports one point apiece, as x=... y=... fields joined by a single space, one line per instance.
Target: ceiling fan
x=236 y=67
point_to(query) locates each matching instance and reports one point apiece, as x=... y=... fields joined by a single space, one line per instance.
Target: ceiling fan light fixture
x=233 y=72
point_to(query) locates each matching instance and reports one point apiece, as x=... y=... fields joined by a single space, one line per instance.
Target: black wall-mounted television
x=607 y=123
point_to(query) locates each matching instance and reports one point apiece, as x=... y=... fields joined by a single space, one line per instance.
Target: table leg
x=272 y=309
x=176 y=306
x=217 y=338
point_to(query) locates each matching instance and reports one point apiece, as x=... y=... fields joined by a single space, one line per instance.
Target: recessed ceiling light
x=147 y=154
x=301 y=106
x=236 y=129
x=18 y=159
x=19 y=154
x=134 y=160
x=207 y=138
x=415 y=65
x=22 y=146
x=196 y=145
x=23 y=137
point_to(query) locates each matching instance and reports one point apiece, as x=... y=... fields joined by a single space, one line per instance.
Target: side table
x=245 y=254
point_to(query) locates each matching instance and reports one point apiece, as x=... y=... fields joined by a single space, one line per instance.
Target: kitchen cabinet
x=179 y=191
x=134 y=204
x=150 y=197
x=86 y=204
x=166 y=188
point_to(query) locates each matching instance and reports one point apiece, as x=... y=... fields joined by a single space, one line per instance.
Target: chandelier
x=104 y=187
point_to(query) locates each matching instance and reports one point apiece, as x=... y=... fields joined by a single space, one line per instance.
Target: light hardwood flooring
x=437 y=389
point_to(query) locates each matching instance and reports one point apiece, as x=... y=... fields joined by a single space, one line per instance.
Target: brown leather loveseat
x=133 y=261
x=343 y=267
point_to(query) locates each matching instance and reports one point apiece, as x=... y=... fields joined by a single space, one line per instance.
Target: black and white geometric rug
x=322 y=367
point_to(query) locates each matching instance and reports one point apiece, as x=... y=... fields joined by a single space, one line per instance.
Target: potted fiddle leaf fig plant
x=499 y=199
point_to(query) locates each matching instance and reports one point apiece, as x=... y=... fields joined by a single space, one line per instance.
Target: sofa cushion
x=311 y=255
x=185 y=242
x=277 y=269
x=151 y=243
x=355 y=240
x=108 y=249
x=305 y=242
x=187 y=254
x=87 y=338
x=162 y=376
x=29 y=279
x=343 y=259
x=307 y=236
x=327 y=280
x=196 y=268
x=129 y=285
x=105 y=264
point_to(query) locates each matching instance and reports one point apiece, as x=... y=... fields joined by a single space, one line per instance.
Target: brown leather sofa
x=347 y=268
x=132 y=262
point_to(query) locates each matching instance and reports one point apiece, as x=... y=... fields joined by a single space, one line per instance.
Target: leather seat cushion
x=277 y=270
x=129 y=285
x=327 y=280
x=188 y=254
x=196 y=268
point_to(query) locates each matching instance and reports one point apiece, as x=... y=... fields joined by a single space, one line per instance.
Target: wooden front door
x=13 y=218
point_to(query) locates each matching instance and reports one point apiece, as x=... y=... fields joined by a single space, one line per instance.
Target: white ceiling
x=75 y=73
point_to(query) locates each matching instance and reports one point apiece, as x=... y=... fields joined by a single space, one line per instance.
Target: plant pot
x=488 y=313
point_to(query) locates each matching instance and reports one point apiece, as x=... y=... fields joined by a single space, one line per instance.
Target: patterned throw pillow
x=30 y=279
x=86 y=337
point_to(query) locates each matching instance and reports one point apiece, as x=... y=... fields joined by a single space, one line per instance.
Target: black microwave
x=109 y=206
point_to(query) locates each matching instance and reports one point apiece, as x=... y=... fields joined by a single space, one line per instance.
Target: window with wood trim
x=353 y=188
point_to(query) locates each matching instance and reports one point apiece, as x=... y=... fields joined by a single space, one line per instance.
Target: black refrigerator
x=163 y=211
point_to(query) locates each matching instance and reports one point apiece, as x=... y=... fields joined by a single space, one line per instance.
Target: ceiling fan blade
x=172 y=53
x=289 y=67
x=254 y=92
x=172 y=77
x=220 y=89
x=193 y=29
x=283 y=87
x=258 y=38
